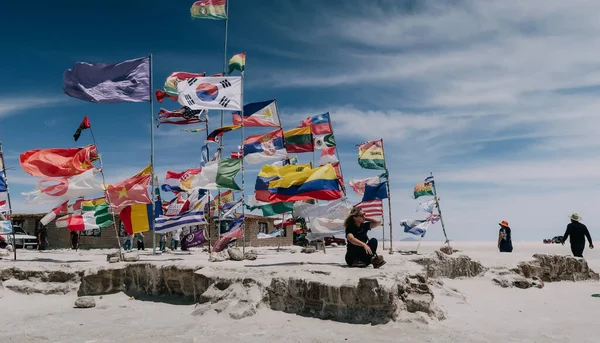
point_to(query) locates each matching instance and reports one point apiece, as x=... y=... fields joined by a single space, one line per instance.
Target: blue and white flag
x=5 y=226
x=276 y=233
x=428 y=179
x=195 y=216
x=427 y=206
x=416 y=227
x=2 y=181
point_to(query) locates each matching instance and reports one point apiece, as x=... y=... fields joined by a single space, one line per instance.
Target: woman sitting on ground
x=361 y=251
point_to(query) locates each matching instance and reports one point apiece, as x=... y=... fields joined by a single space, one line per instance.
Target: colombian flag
x=320 y=183
x=137 y=218
x=270 y=173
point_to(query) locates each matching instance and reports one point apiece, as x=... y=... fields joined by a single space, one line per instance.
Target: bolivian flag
x=320 y=183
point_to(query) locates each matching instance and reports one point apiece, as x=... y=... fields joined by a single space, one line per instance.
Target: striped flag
x=371 y=208
x=193 y=217
x=48 y=218
x=2 y=205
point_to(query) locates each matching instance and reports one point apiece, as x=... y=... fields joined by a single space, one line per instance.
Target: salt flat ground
x=479 y=312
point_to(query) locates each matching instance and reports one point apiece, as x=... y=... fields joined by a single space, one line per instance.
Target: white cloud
x=12 y=105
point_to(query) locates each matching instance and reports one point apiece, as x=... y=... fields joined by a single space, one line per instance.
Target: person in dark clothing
x=578 y=233
x=42 y=237
x=75 y=240
x=360 y=250
x=504 y=238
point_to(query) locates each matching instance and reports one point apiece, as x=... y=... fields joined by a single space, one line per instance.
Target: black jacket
x=578 y=233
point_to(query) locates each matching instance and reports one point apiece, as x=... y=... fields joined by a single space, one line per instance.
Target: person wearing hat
x=504 y=237
x=360 y=250
x=578 y=233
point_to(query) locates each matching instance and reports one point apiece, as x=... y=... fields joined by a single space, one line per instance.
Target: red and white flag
x=3 y=206
x=371 y=208
x=359 y=185
x=328 y=156
x=48 y=218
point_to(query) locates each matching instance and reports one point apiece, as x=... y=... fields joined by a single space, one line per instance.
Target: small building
x=105 y=238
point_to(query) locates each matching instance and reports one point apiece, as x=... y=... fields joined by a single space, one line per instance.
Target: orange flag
x=131 y=191
x=58 y=162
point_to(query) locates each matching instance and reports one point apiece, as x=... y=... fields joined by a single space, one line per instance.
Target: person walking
x=504 y=237
x=140 y=241
x=175 y=239
x=360 y=250
x=163 y=242
x=578 y=233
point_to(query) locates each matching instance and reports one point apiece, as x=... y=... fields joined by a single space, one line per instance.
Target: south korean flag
x=211 y=93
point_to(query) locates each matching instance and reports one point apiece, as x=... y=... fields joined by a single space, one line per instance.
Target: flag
x=320 y=183
x=194 y=216
x=86 y=220
x=338 y=172
x=48 y=218
x=184 y=116
x=5 y=226
x=325 y=219
x=3 y=206
x=298 y=140
x=306 y=210
x=136 y=218
x=175 y=206
x=3 y=185
x=58 y=162
x=416 y=227
x=421 y=189
x=237 y=154
x=211 y=93
x=373 y=208
x=359 y=185
x=320 y=123
x=234 y=231
x=276 y=233
x=170 y=87
x=217 y=133
x=193 y=239
x=264 y=147
x=370 y=155
x=92 y=204
x=323 y=141
x=62 y=188
x=429 y=179
x=270 y=173
x=237 y=62
x=193 y=130
x=267 y=208
x=220 y=201
x=127 y=81
x=374 y=192
x=172 y=179
x=426 y=206
x=209 y=9
x=234 y=205
x=85 y=124
x=215 y=175
x=328 y=156
x=262 y=113
x=133 y=190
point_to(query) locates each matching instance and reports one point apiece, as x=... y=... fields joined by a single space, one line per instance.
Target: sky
x=497 y=99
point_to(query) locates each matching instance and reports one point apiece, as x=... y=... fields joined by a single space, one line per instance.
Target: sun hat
x=575 y=217
x=504 y=223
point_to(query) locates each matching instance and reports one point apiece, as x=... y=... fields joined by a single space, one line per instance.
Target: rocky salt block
x=85 y=302
x=251 y=256
x=113 y=260
x=131 y=257
x=447 y=250
x=309 y=250
x=235 y=254
x=113 y=255
x=442 y=265
x=551 y=268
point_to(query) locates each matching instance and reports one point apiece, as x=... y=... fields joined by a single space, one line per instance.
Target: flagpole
x=208 y=191
x=243 y=192
x=106 y=194
x=383 y=230
x=152 y=162
x=222 y=111
x=389 y=194
x=8 y=199
x=437 y=203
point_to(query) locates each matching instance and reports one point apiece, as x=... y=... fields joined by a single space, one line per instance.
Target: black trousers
x=577 y=249
x=140 y=245
x=356 y=254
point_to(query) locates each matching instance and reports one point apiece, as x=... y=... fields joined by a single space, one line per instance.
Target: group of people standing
x=139 y=239
x=361 y=251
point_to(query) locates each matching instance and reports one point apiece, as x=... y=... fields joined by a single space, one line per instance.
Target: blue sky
x=498 y=99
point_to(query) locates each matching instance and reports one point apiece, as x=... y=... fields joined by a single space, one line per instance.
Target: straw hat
x=575 y=217
x=503 y=223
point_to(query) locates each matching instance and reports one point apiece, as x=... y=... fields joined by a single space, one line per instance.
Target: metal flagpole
x=437 y=204
x=152 y=161
x=383 y=227
x=243 y=192
x=106 y=194
x=8 y=199
x=208 y=191
x=389 y=197
x=222 y=111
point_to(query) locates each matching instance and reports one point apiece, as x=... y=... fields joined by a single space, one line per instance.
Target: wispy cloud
x=13 y=105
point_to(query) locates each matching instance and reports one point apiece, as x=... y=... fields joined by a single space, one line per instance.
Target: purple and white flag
x=127 y=81
x=193 y=239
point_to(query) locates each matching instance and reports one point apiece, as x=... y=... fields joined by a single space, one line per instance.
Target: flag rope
x=106 y=194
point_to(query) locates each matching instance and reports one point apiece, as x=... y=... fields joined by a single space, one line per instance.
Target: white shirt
x=176 y=234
